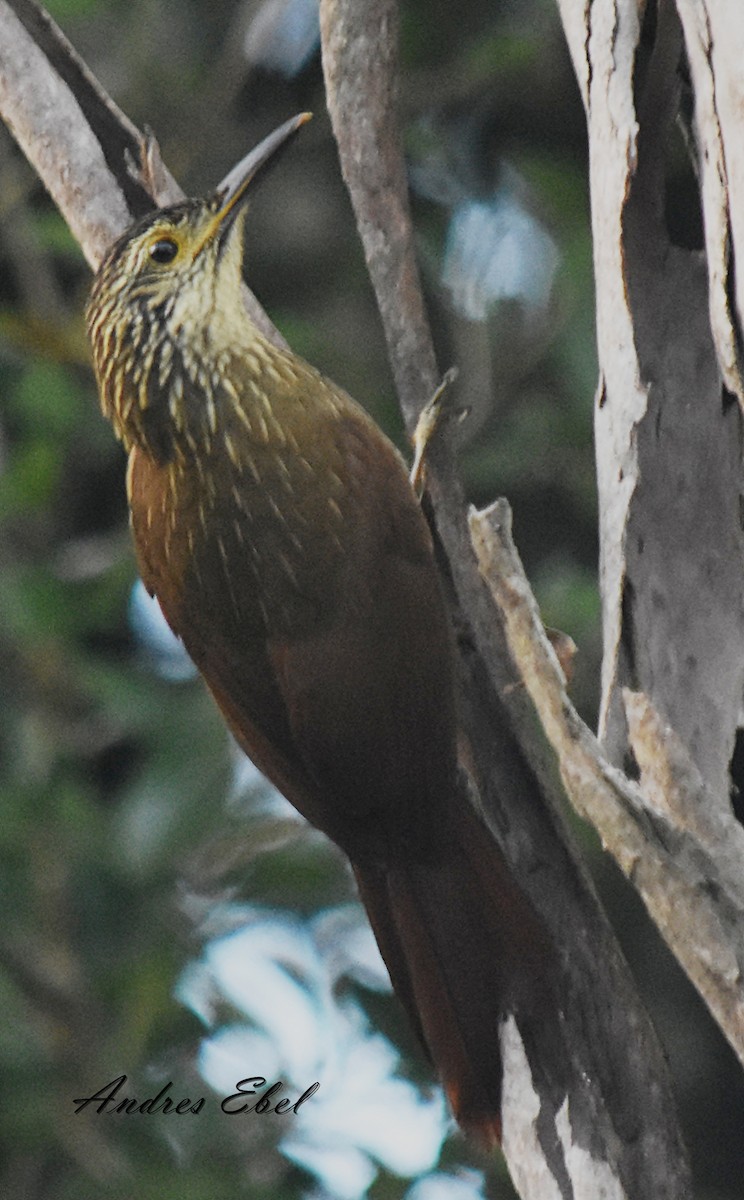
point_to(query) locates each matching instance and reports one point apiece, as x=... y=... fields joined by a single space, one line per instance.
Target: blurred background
x=167 y=915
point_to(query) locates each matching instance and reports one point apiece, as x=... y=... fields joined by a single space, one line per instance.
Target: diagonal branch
x=90 y=157
x=81 y=145
x=682 y=852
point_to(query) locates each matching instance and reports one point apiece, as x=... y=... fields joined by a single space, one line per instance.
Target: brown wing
x=370 y=711
x=351 y=718
x=369 y=694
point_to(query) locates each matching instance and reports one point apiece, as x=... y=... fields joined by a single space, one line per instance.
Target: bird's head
x=170 y=286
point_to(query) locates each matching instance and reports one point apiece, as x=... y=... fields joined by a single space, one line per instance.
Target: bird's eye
x=164 y=250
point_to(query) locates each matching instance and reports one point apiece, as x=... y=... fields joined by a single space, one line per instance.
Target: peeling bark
x=671 y=836
x=667 y=442
x=714 y=41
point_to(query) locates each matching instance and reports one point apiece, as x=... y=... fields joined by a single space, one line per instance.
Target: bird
x=277 y=527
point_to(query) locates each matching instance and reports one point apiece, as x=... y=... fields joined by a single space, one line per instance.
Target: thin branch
x=360 y=64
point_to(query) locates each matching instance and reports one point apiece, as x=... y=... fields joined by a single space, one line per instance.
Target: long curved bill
x=237 y=181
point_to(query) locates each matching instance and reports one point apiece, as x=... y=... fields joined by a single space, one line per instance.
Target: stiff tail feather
x=464 y=948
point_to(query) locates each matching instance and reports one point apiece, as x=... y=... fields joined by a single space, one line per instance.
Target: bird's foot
x=435 y=414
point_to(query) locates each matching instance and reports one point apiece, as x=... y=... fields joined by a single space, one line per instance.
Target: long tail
x=463 y=948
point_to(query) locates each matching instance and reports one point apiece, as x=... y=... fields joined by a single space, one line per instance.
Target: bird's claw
x=432 y=418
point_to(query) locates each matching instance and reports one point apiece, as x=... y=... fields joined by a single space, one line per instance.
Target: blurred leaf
x=48 y=402
x=30 y=479
x=63 y=10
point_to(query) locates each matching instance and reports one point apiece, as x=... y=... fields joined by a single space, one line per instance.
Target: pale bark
x=714 y=41
x=668 y=441
x=669 y=465
x=680 y=848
